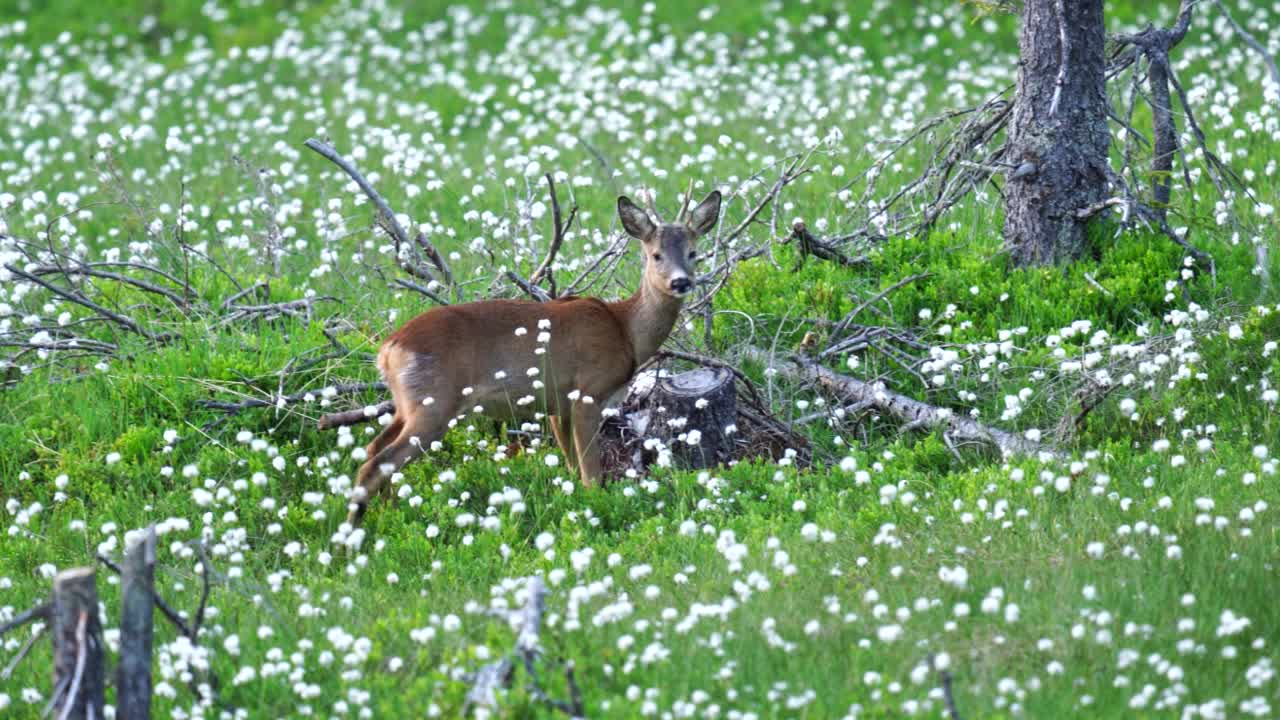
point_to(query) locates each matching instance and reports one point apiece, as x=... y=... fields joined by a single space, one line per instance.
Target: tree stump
x=77 y=646
x=133 y=673
x=692 y=413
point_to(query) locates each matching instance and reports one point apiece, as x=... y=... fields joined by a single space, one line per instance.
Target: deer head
x=669 y=248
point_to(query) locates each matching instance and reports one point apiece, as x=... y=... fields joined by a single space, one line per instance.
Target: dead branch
x=617 y=248
x=292 y=308
x=904 y=409
x=808 y=245
x=387 y=219
x=499 y=674
x=425 y=291
x=529 y=288
x=22 y=653
x=233 y=408
x=79 y=299
x=1267 y=58
x=89 y=270
x=267 y=209
x=173 y=616
x=559 y=227
x=834 y=345
x=39 y=612
x=355 y=417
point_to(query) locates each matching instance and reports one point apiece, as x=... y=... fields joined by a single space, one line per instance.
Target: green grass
x=1122 y=564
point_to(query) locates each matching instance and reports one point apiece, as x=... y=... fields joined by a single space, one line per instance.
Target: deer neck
x=647 y=316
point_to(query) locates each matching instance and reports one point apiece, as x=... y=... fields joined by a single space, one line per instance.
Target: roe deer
x=483 y=356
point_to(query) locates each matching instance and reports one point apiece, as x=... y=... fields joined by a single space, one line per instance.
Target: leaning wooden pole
x=133 y=673
x=77 y=647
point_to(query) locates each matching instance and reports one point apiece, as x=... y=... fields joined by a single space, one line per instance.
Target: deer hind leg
x=562 y=428
x=586 y=435
x=388 y=434
x=418 y=432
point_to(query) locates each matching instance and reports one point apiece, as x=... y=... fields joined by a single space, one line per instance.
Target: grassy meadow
x=1133 y=579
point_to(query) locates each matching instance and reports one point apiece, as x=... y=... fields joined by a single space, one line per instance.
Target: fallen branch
x=909 y=411
x=233 y=408
x=499 y=674
x=270 y=311
x=825 y=250
x=79 y=299
x=834 y=345
x=355 y=417
x=422 y=290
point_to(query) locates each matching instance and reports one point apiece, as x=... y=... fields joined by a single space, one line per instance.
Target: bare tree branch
x=39 y=612
x=387 y=218
x=559 y=227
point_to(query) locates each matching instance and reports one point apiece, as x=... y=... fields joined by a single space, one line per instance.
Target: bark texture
x=133 y=673
x=702 y=400
x=77 y=647
x=1059 y=133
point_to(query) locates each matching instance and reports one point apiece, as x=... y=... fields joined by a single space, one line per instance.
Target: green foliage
x=131 y=444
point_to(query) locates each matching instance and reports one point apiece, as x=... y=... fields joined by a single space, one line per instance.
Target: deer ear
x=705 y=216
x=634 y=219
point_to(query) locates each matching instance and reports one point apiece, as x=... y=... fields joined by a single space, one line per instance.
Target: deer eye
x=693 y=255
x=657 y=257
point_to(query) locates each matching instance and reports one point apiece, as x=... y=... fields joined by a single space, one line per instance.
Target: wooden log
x=78 y=684
x=356 y=416
x=133 y=673
x=690 y=413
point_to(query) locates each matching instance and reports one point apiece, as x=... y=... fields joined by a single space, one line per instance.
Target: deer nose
x=681 y=285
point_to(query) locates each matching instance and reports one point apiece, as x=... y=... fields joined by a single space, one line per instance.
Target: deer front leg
x=562 y=428
x=586 y=433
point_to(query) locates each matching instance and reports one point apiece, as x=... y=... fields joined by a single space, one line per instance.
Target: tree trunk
x=1059 y=134
x=77 y=646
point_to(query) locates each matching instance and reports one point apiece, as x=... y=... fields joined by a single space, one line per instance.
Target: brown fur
x=594 y=348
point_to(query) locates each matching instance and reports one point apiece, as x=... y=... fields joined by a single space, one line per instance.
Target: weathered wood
x=356 y=416
x=912 y=413
x=1058 y=134
x=133 y=673
x=690 y=412
x=77 y=646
